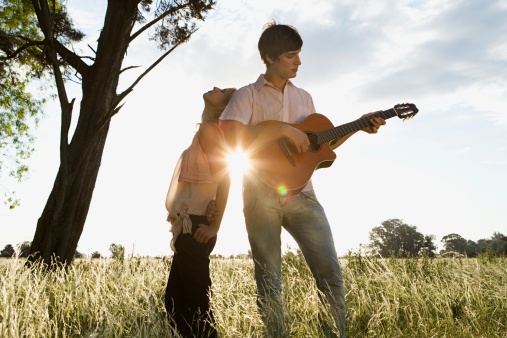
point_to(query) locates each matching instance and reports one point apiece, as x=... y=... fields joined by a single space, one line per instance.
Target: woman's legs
x=189 y=285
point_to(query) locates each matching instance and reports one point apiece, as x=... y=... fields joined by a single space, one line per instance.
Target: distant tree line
x=496 y=245
x=393 y=238
x=22 y=250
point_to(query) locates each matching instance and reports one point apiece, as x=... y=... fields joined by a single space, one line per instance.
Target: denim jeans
x=304 y=218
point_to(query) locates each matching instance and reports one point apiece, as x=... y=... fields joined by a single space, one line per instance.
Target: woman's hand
x=204 y=233
x=211 y=211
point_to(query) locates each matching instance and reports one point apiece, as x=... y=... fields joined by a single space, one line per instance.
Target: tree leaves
x=23 y=63
x=397 y=239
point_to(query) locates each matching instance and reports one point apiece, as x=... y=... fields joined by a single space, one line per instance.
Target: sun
x=238 y=163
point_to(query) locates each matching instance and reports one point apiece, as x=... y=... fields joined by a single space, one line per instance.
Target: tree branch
x=46 y=23
x=71 y=58
x=131 y=67
x=22 y=48
x=103 y=122
x=162 y=57
x=115 y=109
x=157 y=19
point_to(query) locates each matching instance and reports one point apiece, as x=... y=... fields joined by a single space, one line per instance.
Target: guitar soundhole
x=314 y=145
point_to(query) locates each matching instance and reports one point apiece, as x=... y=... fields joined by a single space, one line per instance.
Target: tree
x=499 y=244
x=23 y=249
x=454 y=243
x=496 y=245
x=95 y=254
x=472 y=248
x=395 y=239
x=428 y=247
x=173 y=22
x=117 y=251
x=19 y=109
x=8 y=251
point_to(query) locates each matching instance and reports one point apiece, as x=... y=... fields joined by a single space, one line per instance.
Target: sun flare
x=238 y=163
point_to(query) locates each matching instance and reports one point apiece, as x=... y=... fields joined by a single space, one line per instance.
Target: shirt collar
x=261 y=81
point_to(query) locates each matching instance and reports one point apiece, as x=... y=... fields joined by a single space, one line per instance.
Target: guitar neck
x=344 y=129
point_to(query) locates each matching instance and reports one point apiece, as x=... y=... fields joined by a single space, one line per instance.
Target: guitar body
x=287 y=173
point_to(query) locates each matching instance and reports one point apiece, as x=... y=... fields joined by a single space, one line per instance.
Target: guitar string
x=337 y=132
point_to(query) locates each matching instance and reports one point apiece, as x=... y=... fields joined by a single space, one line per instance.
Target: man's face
x=287 y=64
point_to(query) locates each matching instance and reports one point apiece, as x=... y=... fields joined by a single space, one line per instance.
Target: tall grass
x=385 y=298
x=427 y=297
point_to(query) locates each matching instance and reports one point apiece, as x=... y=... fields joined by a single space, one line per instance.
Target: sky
x=444 y=171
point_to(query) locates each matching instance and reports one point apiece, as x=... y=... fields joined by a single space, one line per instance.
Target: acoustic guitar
x=285 y=172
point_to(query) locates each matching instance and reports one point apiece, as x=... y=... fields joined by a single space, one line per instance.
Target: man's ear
x=269 y=59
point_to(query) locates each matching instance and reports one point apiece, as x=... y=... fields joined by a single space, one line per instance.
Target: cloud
x=438 y=54
x=463 y=150
x=453 y=53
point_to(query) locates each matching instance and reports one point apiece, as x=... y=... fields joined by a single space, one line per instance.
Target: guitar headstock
x=405 y=110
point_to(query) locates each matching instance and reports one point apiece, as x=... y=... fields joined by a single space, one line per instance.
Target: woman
x=200 y=179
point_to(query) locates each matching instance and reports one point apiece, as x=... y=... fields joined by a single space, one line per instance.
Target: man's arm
x=238 y=135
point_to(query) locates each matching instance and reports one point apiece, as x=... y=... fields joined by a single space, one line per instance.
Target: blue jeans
x=304 y=218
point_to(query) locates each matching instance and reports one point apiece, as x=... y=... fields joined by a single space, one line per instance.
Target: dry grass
x=386 y=298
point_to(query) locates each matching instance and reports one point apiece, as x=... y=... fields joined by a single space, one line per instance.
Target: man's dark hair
x=277 y=39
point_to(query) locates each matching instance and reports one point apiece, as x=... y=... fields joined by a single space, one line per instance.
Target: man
x=274 y=97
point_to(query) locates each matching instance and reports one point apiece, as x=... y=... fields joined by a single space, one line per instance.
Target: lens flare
x=282 y=191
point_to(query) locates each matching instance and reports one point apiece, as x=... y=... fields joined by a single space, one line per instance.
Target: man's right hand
x=298 y=138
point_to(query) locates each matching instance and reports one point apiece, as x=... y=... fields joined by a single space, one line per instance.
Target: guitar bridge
x=286 y=151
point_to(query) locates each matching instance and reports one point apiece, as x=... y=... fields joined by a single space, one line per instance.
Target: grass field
x=385 y=298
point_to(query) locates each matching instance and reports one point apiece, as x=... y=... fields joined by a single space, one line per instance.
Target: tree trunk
x=61 y=224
